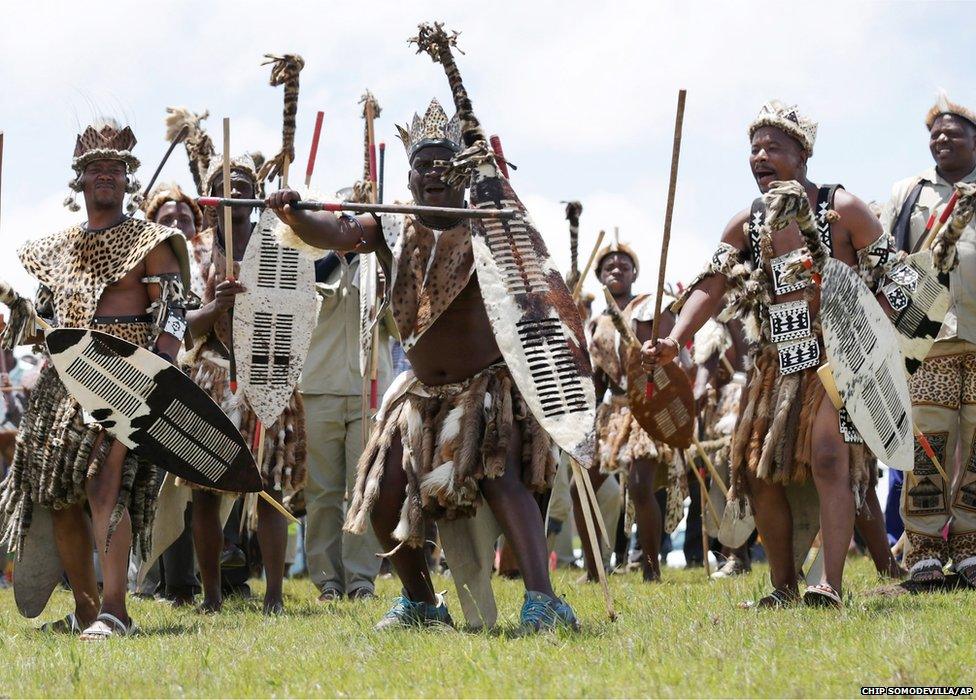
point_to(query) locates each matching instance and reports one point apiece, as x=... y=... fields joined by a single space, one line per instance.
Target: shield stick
x=315 y=148
x=668 y=212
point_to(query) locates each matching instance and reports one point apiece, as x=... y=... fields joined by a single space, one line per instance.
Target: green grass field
x=684 y=637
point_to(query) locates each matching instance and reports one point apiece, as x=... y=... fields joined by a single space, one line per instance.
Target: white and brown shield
x=867 y=365
x=536 y=324
x=917 y=298
x=273 y=320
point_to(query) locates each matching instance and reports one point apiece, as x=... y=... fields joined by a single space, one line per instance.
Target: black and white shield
x=154 y=409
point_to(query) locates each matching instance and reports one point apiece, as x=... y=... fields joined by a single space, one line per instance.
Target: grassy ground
x=684 y=637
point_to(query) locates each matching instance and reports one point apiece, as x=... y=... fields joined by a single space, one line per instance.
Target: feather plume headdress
x=943 y=105
x=105 y=140
x=615 y=246
x=788 y=119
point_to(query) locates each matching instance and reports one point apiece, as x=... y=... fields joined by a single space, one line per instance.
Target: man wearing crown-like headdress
x=454 y=430
x=787 y=432
x=944 y=387
x=125 y=277
x=624 y=450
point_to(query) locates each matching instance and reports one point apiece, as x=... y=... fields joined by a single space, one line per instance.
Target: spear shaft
x=362 y=207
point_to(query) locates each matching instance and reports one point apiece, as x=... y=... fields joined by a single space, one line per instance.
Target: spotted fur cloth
x=56 y=453
x=284 y=465
x=453 y=436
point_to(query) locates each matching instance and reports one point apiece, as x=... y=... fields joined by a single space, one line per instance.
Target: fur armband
x=875 y=261
x=286 y=236
x=22 y=319
x=726 y=261
x=944 y=248
x=169 y=310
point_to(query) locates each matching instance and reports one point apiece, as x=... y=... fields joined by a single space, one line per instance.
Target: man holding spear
x=457 y=429
x=121 y=276
x=786 y=432
x=944 y=387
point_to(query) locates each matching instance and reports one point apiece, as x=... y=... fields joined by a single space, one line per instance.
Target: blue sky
x=581 y=93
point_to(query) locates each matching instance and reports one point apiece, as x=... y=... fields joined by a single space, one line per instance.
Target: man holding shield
x=786 y=431
x=124 y=277
x=944 y=387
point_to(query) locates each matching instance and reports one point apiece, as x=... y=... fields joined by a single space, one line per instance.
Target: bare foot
x=274 y=606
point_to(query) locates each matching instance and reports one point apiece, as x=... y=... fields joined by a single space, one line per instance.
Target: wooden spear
x=666 y=239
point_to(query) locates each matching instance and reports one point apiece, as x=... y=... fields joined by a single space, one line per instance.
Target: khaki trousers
x=944 y=407
x=335 y=441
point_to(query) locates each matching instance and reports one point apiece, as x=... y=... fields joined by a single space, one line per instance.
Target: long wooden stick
x=711 y=507
x=591 y=494
x=1 y=166
x=668 y=212
x=943 y=219
x=710 y=466
x=580 y=474
x=589 y=264
x=363 y=207
x=277 y=506
x=315 y=148
x=178 y=140
x=229 y=247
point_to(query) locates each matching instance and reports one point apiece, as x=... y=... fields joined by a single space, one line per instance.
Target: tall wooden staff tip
x=315 y=148
x=589 y=264
x=669 y=211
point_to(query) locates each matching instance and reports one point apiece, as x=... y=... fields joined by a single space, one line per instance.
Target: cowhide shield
x=535 y=321
x=154 y=409
x=737 y=523
x=805 y=509
x=668 y=416
x=917 y=297
x=273 y=320
x=867 y=365
x=38 y=571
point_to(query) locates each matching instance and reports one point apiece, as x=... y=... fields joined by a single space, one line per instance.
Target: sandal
x=967 y=571
x=823 y=595
x=67 y=625
x=776 y=600
x=927 y=572
x=108 y=625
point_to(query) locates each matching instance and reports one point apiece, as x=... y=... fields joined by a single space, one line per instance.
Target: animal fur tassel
x=944 y=248
x=23 y=317
x=198 y=144
x=573 y=211
x=284 y=71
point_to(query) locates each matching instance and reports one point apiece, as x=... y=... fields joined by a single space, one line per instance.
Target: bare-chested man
x=786 y=431
x=456 y=429
x=124 y=277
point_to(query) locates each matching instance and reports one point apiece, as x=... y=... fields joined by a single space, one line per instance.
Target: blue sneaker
x=542 y=612
x=408 y=613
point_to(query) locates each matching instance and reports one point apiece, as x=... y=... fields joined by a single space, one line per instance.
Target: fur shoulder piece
x=712 y=339
x=77 y=265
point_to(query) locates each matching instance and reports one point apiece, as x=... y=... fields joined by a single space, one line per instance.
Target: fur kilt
x=56 y=453
x=453 y=436
x=774 y=434
x=621 y=441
